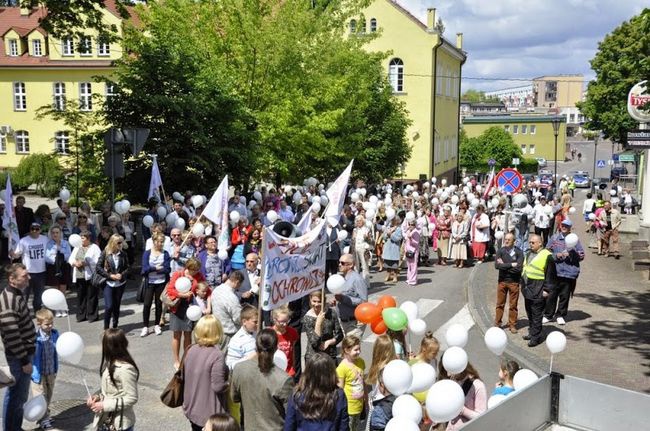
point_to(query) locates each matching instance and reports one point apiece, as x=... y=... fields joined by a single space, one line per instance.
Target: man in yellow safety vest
x=537 y=281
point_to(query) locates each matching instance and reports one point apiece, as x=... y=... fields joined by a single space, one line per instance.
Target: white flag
x=336 y=193
x=305 y=221
x=217 y=212
x=9 y=217
x=156 y=181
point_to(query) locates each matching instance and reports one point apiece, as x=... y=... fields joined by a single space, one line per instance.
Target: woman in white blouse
x=480 y=233
x=83 y=260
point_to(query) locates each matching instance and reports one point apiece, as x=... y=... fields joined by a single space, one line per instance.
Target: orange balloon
x=367 y=312
x=386 y=301
x=378 y=327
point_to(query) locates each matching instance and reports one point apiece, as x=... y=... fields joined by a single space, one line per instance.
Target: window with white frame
x=515 y=129
x=59 y=96
x=13 y=47
x=353 y=26
x=531 y=149
x=37 y=48
x=523 y=148
x=103 y=47
x=22 y=142
x=62 y=143
x=447 y=144
x=67 y=46
x=373 y=25
x=111 y=88
x=86 y=46
x=524 y=129
x=3 y=143
x=506 y=128
x=396 y=75
x=20 y=97
x=85 y=96
x=533 y=129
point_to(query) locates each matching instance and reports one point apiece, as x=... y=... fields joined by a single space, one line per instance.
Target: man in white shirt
x=542 y=218
x=225 y=304
x=32 y=249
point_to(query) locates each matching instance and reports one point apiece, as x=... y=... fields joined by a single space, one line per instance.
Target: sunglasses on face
x=345 y=263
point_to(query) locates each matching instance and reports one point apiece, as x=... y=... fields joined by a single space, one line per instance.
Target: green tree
x=39 y=169
x=495 y=143
x=622 y=60
x=472 y=95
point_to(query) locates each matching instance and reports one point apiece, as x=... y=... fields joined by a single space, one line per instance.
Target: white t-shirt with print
x=33 y=253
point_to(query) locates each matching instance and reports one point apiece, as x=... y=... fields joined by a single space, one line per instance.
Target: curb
x=482 y=315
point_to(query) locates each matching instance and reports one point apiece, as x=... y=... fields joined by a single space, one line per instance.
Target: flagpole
x=262 y=283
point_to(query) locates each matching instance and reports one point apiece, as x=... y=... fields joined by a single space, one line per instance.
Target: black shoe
x=526 y=337
x=533 y=343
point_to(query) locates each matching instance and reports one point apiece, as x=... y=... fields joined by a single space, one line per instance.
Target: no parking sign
x=509 y=180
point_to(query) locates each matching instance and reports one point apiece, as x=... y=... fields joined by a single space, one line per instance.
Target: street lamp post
x=556 y=130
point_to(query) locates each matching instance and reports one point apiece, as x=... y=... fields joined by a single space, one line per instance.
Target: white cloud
x=527 y=38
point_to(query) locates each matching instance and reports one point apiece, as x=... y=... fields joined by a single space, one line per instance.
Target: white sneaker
x=561 y=321
x=64 y=314
x=145 y=332
x=58 y=314
x=545 y=320
x=157 y=330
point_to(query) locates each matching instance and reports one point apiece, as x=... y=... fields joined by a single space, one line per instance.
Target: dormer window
x=103 y=47
x=353 y=26
x=67 y=46
x=37 y=48
x=86 y=46
x=13 y=47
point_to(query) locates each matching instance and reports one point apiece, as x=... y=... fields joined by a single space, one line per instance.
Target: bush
x=42 y=170
x=528 y=166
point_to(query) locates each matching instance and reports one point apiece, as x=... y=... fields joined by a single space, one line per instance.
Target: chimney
x=431 y=19
x=25 y=11
x=459 y=40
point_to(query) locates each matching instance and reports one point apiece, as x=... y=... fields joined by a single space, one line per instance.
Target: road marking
x=463 y=317
x=425 y=306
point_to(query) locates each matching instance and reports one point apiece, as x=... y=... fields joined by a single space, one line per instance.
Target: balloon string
x=551 y=367
x=85 y=383
x=69 y=325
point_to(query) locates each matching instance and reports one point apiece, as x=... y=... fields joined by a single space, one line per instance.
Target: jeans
x=112 y=302
x=36 y=286
x=16 y=396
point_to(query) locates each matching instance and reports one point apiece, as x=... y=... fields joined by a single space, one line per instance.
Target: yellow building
x=424 y=70
x=37 y=69
x=532 y=133
x=558 y=91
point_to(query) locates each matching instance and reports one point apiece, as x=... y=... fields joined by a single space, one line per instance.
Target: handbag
x=108 y=423
x=166 y=300
x=139 y=296
x=172 y=395
x=410 y=254
x=97 y=280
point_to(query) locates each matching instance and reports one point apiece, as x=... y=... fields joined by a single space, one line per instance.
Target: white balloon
x=297 y=197
x=70 y=347
x=368 y=224
x=370 y=213
x=171 y=218
x=75 y=240
x=444 y=196
x=499 y=234
x=257 y=196
x=388 y=200
x=198 y=229
x=342 y=235
x=435 y=201
x=161 y=211
x=571 y=241
x=454 y=360
x=416 y=195
x=434 y=180
x=64 y=194
x=475 y=203
x=410 y=216
x=35 y=409
x=222 y=254
x=333 y=221
x=177 y=197
x=335 y=284
x=354 y=197
x=612 y=192
x=556 y=342
x=407 y=407
x=496 y=340
x=324 y=201
x=118 y=207
x=470 y=197
x=454 y=199
x=572 y=210
x=417 y=327
x=523 y=378
x=126 y=205
x=362 y=192
x=397 y=377
x=272 y=216
x=54 y=299
x=316 y=207
x=183 y=284
x=548 y=210
x=390 y=213
x=495 y=202
x=443 y=182
x=410 y=308
x=424 y=377
x=194 y=313
x=147 y=221
x=494 y=400
x=457 y=335
x=445 y=400
x=197 y=201
x=592 y=216
x=234 y=216
x=280 y=359
x=373 y=199
x=479 y=188
x=180 y=223
x=242 y=199
x=346 y=250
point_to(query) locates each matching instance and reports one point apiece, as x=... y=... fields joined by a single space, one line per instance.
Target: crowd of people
x=225 y=355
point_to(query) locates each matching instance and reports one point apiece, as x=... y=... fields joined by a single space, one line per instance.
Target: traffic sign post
x=509 y=180
x=600 y=164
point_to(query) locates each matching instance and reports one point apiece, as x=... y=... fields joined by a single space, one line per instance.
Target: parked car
x=617 y=171
x=541 y=162
x=581 y=179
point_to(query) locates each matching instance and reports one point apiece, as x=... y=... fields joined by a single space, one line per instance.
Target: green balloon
x=394 y=318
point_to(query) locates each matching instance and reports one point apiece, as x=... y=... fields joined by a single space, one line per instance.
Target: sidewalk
x=608 y=328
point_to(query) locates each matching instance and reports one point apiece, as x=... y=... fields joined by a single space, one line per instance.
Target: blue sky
x=526 y=38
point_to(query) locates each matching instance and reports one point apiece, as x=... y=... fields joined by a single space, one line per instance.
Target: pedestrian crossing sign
x=600 y=164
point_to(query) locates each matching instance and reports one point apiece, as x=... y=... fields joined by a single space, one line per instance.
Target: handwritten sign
x=292 y=267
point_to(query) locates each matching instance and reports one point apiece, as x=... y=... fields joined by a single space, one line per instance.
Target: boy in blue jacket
x=46 y=361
